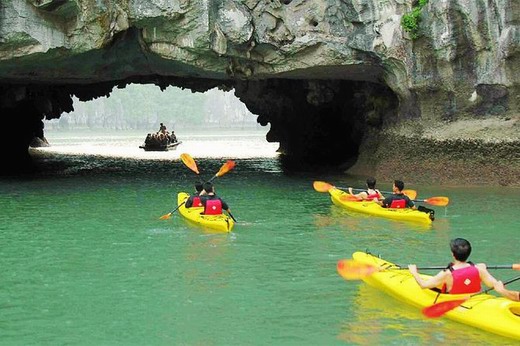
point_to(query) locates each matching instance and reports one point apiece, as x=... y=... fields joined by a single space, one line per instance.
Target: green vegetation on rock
x=411 y=20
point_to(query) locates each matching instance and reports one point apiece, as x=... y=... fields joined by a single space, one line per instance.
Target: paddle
x=351 y=269
x=226 y=167
x=438 y=201
x=189 y=162
x=167 y=216
x=322 y=186
x=439 y=309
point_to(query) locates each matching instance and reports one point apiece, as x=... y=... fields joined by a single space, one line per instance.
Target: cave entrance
x=319 y=123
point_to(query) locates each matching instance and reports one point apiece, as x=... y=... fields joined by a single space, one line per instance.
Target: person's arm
x=189 y=202
x=513 y=295
x=386 y=202
x=435 y=281
x=409 y=202
x=485 y=276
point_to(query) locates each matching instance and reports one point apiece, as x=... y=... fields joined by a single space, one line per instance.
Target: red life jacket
x=465 y=280
x=213 y=207
x=372 y=196
x=398 y=203
x=196 y=202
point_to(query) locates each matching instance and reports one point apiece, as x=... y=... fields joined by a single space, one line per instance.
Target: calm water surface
x=86 y=261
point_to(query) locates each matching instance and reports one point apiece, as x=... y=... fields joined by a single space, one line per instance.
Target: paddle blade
x=322 y=186
x=350 y=198
x=516 y=266
x=229 y=165
x=166 y=216
x=189 y=162
x=350 y=269
x=412 y=194
x=439 y=201
x=439 y=309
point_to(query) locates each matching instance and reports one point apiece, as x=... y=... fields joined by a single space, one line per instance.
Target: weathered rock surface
x=331 y=77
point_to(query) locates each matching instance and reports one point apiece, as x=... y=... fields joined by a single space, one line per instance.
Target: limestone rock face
x=464 y=64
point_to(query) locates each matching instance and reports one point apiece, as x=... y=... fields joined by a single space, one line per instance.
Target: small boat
x=494 y=314
x=373 y=208
x=221 y=222
x=159 y=142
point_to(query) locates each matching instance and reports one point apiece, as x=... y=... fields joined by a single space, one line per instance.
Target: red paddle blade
x=229 y=165
x=439 y=309
x=321 y=186
x=350 y=198
x=412 y=194
x=439 y=201
x=350 y=269
x=189 y=162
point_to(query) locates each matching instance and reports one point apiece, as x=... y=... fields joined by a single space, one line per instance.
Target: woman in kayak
x=371 y=194
x=398 y=199
x=213 y=205
x=461 y=276
x=194 y=199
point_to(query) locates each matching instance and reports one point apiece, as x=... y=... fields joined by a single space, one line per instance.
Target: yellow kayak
x=372 y=208
x=221 y=222
x=485 y=311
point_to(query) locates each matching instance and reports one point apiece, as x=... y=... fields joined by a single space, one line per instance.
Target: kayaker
x=513 y=295
x=398 y=199
x=194 y=199
x=213 y=205
x=371 y=194
x=460 y=276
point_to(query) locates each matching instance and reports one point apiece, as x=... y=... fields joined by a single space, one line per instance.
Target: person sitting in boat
x=398 y=199
x=194 y=199
x=460 y=276
x=371 y=194
x=173 y=138
x=213 y=205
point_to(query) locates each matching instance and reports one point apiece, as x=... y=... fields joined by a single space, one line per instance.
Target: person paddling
x=213 y=205
x=509 y=294
x=398 y=199
x=194 y=199
x=371 y=193
x=460 y=276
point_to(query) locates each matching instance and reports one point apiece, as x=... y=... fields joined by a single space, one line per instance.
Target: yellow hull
x=221 y=223
x=372 y=208
x=485 y=311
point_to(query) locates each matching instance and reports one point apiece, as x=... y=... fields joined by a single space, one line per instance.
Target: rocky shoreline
x=462 y=153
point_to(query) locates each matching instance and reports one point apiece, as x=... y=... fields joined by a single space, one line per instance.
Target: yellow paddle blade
x=322 y=186
x=166 y=216
x=189 y=162
x=350 y=269
x=412 y=194
x=439 y=201
x=229 y=165
x=350 y=198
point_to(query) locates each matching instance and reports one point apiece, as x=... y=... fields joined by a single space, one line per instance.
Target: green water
x=85 y=259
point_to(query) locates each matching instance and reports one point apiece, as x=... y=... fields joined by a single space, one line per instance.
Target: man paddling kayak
x=513 y=295
x=460 y=276
x=398 y=199
x=213 y=205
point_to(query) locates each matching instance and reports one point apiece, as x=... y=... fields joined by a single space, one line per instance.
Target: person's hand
x=499 y=286
x=350 y=190
x=412 y=268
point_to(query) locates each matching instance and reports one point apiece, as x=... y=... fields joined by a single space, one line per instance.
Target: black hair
x=371 y=183
x=198 y=187
x=208 y=187
x=399 y=184
x=460 y=248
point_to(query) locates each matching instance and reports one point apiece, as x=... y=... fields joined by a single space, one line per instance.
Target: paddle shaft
x=499 y=266
x=174 y=210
